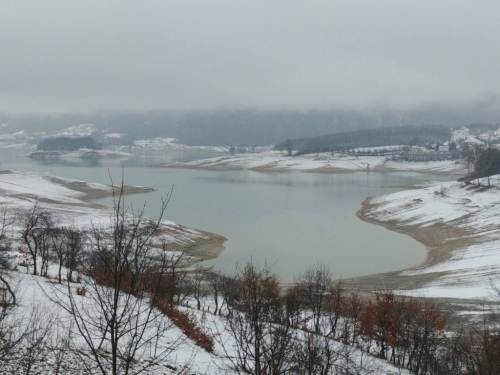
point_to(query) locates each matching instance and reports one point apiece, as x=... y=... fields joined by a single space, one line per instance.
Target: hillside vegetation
x=68 y=144
x=389 y=136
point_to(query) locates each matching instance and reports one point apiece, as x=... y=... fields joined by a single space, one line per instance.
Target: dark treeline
x=388 y=136
x=481 y=163
x=488 y=163
x=481 y=128
x=68 y=143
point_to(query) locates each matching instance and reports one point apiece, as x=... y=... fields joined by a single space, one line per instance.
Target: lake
x=288 y=220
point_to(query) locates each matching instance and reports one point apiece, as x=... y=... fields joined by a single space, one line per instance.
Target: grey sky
x=182 y=55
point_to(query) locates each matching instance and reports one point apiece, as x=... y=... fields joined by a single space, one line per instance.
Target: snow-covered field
x=460 y=223
x=82 y=130
x=171 y=144
x=324 y=162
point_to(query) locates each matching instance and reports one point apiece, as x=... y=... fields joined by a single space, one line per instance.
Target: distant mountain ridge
x=226 y=128
x=387 y=136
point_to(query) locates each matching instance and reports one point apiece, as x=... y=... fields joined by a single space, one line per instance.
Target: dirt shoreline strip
x=273 y=168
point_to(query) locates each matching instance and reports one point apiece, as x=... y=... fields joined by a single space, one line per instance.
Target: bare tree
x=10 y=332
x=45 y=242
x=58 y=249
x=11 y=323
x=289 y=146
x=199 y=291
x=314 y=355
x=293 y=305
x=335 y=305
x=229 y=289
x=35 y=340
x=214 y=281
x=34 y=223
x=123 y=273
x=60 y=347
x=314 y=288
x=261 y=333
x=73 y=240
x=353 y=306
x=5 y=223
x=22 y=337
x=176 y=285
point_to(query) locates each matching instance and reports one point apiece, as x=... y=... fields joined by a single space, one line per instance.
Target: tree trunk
x=7 y=285
x=60 y=268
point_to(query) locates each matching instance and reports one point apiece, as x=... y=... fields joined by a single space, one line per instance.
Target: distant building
x=459 y=134
x=471 y=141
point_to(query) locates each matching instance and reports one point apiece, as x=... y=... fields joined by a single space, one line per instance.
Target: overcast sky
x=63 y=56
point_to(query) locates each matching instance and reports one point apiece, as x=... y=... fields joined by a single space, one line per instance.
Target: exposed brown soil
x=273 y=168
x=331 y=170
x=206 y=246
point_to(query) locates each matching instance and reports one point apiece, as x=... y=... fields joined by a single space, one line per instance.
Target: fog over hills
x=261 y=128
x=227 y=73
x=224 y=56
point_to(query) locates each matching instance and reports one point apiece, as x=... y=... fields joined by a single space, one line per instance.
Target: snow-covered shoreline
x=275 y=161
x=459 y=224
x=70 y=203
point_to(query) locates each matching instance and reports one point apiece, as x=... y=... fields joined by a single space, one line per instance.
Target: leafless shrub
x=35 y=340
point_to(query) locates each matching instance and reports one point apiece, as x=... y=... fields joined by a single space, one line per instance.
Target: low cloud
x=60 y=56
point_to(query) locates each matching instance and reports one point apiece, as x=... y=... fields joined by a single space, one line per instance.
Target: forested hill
x=68 y=143
x=401 y=135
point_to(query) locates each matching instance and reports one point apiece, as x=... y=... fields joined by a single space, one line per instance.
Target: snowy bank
x=460 y=225
x=171 y=144
x=275 y=161
x=70 y=203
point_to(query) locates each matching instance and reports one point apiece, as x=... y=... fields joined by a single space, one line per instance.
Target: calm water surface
x=289 y=220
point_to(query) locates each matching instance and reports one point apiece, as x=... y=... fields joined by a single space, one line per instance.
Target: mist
x=61 y=57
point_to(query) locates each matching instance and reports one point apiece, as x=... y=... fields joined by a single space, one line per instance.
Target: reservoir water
x=288 y=220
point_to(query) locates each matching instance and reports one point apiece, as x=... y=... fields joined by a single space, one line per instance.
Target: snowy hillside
x=172 y=144
x=57 y=342
x=82 y=130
